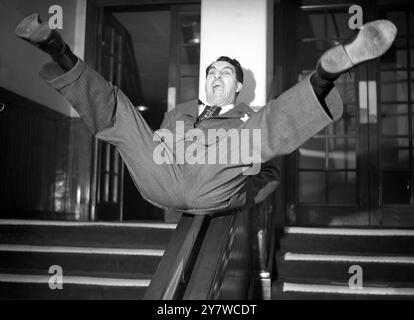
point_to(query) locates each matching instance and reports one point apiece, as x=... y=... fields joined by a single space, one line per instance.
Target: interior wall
x=240 y=29
x=20 y=62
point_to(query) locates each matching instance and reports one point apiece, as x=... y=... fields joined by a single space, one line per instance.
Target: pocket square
x=245 y=117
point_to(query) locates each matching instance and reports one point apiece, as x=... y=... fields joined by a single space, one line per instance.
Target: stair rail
x=235 y=258
x=223 y=256
x=170 y=278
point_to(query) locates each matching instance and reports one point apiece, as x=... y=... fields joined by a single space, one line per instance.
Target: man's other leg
x=308 y=107
x=108 y=113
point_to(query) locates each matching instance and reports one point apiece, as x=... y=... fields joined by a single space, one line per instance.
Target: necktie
x=208 y=112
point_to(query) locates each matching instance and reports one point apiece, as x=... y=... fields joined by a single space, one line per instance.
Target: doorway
x=152 y=53
x=359 y=170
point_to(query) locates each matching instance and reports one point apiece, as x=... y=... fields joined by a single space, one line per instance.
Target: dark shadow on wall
x=248 y=92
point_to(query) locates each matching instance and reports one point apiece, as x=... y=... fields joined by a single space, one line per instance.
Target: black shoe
x=372 y=41
x=38 y=33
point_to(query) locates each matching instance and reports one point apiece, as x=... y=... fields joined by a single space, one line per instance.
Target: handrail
x=235 y=257
x=207 y=275
x=266 y=243
x=176 y=262
x=209 y=255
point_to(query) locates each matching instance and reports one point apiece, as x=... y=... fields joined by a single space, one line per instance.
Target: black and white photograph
x=209 y=156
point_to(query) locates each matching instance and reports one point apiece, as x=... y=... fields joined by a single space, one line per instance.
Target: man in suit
x=162 y=163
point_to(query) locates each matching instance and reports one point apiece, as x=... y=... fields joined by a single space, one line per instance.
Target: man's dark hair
x=234 y=63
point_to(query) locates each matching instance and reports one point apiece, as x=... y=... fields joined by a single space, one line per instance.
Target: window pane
x=400 y=21
x=106 y=67
x=190 y=29
x=346 y=124
x=312 y=187
x=338 y=25
x=395 y=187
x=412 y=23
x=313 y=51
x=394 y=124
x=342 y=187
x=188 y=89
x=312 y=154
x=118 y=47
x=395 y=154
x=394 y=119
x=396 y=56
x=190 y=61
x=394 y=109
x=346 y=87
x=312 y=25
x=394 y=86
x=342 y=153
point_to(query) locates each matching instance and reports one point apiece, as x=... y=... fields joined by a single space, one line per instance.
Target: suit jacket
x=285 y=124
x=259 y=186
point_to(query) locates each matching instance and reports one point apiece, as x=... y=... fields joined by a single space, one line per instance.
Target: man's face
x=222 y=84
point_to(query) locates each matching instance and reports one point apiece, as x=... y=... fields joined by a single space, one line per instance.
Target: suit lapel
x=237 y=112
x=189 y=112
x=190 y=108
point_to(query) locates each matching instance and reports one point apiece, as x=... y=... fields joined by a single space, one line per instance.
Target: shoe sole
x=372 y=41
x=27 y=26
x=32 y=29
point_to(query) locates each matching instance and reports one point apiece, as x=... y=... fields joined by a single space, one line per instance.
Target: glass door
x=359 y=170
x=185 y=54
x=392 y=151
x=328 y=176
x=115 y=59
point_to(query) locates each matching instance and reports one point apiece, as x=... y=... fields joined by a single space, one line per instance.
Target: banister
x=223 y=256
x=176 y=262
x=235 y=256
x=207 y=275
x=266 y=241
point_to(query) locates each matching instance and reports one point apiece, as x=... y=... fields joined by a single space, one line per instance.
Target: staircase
x=314 y=263
x=97 y=260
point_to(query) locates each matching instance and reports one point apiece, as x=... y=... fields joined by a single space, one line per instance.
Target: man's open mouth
x=217 y=87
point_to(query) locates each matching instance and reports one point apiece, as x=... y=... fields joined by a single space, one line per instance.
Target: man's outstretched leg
x=302 y=111
x=372 y=41
x=311 y=105
x=38 y=33
x=107 y=112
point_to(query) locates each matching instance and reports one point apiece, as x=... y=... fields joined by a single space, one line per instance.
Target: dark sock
x=60 y=52
x=321 y=87
x=66 y=60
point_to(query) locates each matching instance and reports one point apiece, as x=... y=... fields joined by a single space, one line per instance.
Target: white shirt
x=224 y=109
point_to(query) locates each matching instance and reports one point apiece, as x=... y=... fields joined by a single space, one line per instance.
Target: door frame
x=378 y=215
x=321 y=214
x=390 y=215
x=94 y=15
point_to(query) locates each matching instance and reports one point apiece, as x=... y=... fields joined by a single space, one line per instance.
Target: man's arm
x=290 y=120
x=266 y=182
